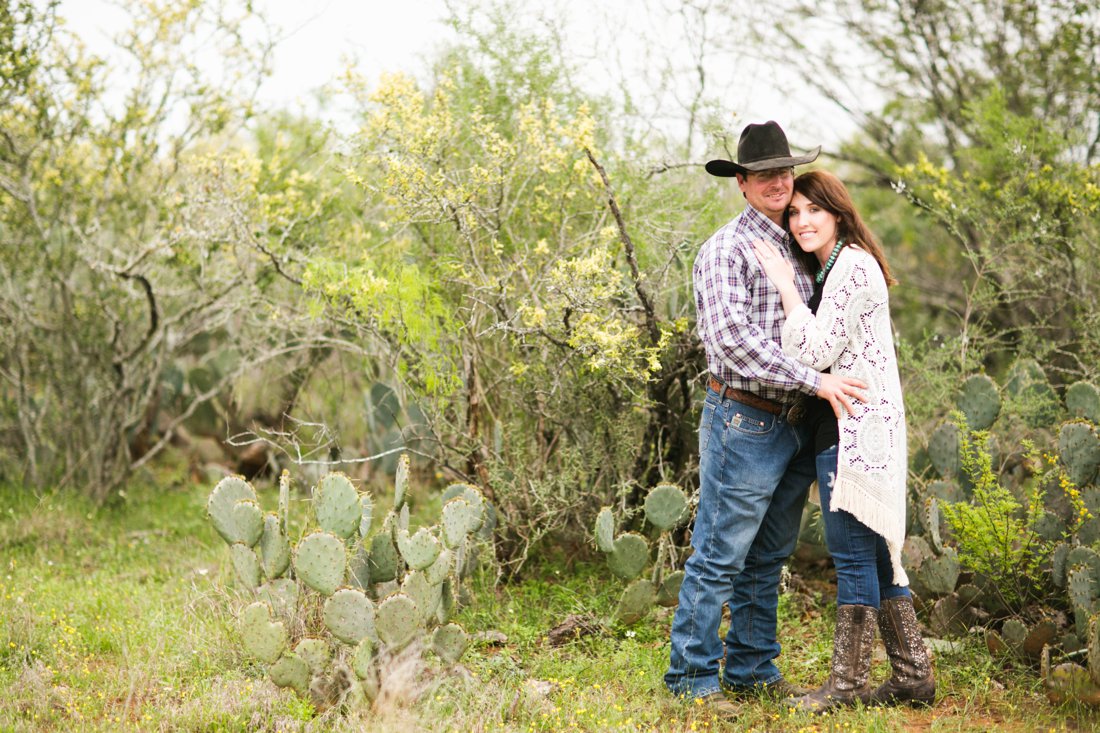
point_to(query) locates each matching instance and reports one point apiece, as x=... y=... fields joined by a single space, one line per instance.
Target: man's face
x=769 y=192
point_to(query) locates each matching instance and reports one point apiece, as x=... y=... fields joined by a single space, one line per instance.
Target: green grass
x=121 y=618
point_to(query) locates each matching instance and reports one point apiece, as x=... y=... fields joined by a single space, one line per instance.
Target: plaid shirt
x=740 y=314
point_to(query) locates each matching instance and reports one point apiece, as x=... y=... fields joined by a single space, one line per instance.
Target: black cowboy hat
x=761 y=148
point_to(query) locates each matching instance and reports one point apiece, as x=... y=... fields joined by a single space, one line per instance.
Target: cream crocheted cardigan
x=852 y=334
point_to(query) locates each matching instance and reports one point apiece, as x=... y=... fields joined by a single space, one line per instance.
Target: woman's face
x=813 y=227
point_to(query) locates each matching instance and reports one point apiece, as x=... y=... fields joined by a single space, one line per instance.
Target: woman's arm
x=781 y=273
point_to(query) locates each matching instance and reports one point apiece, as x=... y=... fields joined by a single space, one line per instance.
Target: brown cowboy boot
x=852 y=645
x=912 y=680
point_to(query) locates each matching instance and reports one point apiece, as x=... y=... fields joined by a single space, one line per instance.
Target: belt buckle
x=797 y=411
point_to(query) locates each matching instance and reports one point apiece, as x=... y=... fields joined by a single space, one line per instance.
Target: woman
x=861 y=457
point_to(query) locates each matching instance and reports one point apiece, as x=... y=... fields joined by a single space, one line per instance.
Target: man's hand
x=838 y=390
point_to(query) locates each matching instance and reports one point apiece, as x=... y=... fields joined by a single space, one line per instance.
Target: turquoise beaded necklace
x=820 y=276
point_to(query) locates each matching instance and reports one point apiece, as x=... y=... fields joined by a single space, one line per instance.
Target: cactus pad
x=948 y=617
x=1058 y=564
x=320 y=562
x=281 y=595
x=274 y=547
x=290 y=670
x=1035 y=398
x=668 y=595
x=449 y=642
x=246 y=563
x=1049 y=527
x=419 y=550
x=438 y=571
x=666 y=506
x=948 y=491
x=1084 y=556
x=1083 y=400
x=396 y=621
x=401 y=482
x=938 y=575
x=1093 y=646
x=349 y=615
x=1079 y=448
x=219 y=507
x=383 y=561
x=446 y=602
x=637 y=600
x=316 y=653
x=1014 y=631
x=932 y=523
x=262 y=639
x=336 y=505
x=361 y=659
x=366 y=514
x=359 y=568
x=1039 y=636
x=1071 y=681
x=980 y=402
x=605 y=530
x=915 y=551
x=455 y=521
x=249 y=520
x=943 y=449
x=629 y=557
x=473 y=497
x=284 y=500
x=425 y=595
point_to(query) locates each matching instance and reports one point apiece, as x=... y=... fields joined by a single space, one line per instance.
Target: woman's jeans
x=753 y=478
x=864 y=575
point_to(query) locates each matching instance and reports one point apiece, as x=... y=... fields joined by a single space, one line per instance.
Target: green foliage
x=996 y=534
x=165 y=249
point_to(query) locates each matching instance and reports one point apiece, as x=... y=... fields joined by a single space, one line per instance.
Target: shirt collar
x=756 y=218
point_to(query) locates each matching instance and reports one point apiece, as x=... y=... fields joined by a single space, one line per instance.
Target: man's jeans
x=753 y=478
x=864 y=574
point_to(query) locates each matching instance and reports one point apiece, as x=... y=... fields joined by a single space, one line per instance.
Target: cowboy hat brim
x=728 y=169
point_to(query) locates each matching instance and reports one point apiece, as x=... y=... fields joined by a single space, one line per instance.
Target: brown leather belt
x=746 y=398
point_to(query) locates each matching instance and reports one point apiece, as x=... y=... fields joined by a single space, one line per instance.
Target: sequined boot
x=851 y=665
x=912 y=680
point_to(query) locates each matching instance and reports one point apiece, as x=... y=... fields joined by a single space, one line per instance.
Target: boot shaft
x=853 y=643
x=897 y=622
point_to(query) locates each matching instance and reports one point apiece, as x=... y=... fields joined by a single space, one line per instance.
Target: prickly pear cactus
x=290 y=670
x=337 y=506
x=349 y=615
x=666 y=506
x=419 y=550
x=320 y=562
x=1079 y=448
x=943 y=449
x=274 y=548
x=396 y=621
x=980 y=402
x=636 y=601
x=1083 y=401
x=227 y=519
x=630 y=556
x=449 y=642
x=338 y=628
x=263 y=639
x=605 y=530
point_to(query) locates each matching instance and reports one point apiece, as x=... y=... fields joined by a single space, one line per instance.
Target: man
x=755 y=466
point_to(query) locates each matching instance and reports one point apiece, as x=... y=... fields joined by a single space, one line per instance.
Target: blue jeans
x=864 y=575
x=753 y=478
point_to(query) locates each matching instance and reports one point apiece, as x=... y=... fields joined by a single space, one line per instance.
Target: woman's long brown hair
x=829 y=192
